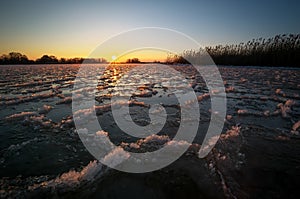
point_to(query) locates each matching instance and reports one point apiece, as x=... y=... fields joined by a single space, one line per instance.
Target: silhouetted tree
x=46 y=59
x=18 y=58
x=133 y=60
x=14 y=58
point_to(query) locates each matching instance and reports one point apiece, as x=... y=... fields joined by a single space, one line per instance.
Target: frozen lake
x=257 y=155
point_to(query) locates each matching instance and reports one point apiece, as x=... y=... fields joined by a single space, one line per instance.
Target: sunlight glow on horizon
x=143 y=55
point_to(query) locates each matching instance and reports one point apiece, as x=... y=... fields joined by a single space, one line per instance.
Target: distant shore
x=279 y=51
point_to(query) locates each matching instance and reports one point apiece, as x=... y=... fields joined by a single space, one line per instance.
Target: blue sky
x=73 y=28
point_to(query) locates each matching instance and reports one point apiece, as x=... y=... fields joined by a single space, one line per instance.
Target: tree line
x=18 y=58
x=281 y=50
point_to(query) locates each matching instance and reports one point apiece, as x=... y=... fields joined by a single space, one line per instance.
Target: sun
x=114 y=57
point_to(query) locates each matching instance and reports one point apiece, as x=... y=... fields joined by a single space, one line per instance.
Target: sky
x=74 y=28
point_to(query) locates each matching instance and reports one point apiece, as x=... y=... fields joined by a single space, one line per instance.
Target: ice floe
x=295 y=128
x=66 y=100
x=286 y=108
x=45 y=109
x=72 y=178
x=20 y=116
x=115 y=157
x=233 y=132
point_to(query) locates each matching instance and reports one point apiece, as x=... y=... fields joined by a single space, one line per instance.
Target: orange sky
x=143 y=55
